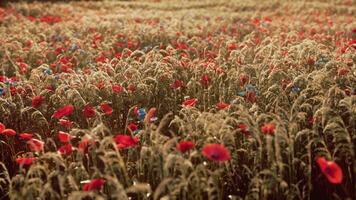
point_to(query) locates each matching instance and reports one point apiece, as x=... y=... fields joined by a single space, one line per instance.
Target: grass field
x=178 y=100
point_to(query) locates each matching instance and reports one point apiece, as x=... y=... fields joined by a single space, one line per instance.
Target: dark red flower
x=150 y=115
x=343 y=71
x=232 y=46
x=84 y=145
x=35 y=145
x=268 y=128
x=205 y=80
x=37 y=101
x=25 y=136
x=243 y=79
x=216 y=152
x=2 y=127
x=117 y=88
x=88 y=111
x=106 y=108
x=331 y=170
x=132 y=127
x=64 y=137
x=94 y=185
x=190 y=102
x=222 y=105
x=184 y=146
x=251 y=96
x=8 y=132
x=65 y=123
x=66 y=149
x=125 y=141
x=243 y=128
x=64 y=111
x=25 y=161
x=177 y=84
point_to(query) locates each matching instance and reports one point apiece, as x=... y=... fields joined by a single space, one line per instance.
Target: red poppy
x=95 y=184
x=35 y=145
x=251 y=96
x=106 y=108
x=177 y=84
x=65 y=123
x=232 y=46
x=2 y=127
x=243 y=79
x=205 y=80
x=131 y=88
x=216 y=152
x=8 y=132
x=66 y=149
x=331 y=170
x=88 y=111
x=243 y=128
x=150 y=115
x=268 y=128
x=84 y=145
x=64 y=111
x=25 y=161
x=37 y=101
x=64 y=137
x=117 y=88
x=125 y=141
x=222 y=105
x=343 y=71
x=184 y=146
x=25 y=136
x=190 y=102
x=132 y=127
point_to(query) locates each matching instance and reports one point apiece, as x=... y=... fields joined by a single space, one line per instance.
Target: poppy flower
x=66 y=149
x=190 y=102
x=2 y=127
x=35 y=145
x=64 y=111
x=150 y=116
x=222 y=105
x=177 y=84
x=84 y=145
x=243 y=79
x=125 y=141
x=64 y=137
x=8 y=132
x=25 y=161
x=132 y=127
x=268 y=128
x=251 y=96
x=343 y=71
x=184 y=146
x=65 y=123
x=25 y=136
x=117 y=88
x=88 y=111
x=216 y=152
x=93 y=185
x=37 y=101
x=106 y=108
x=232 y=46
x=331 y=170
x=205 y=80
x=131 y=88
x=243 y=128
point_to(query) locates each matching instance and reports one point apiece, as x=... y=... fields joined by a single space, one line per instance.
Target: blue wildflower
x=2 y=91
x=141 y=114
x=296 y=89
x=47 y=71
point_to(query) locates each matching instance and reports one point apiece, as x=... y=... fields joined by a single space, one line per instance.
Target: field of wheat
x=178 y=100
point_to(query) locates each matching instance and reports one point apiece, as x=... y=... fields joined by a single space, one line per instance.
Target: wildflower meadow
x=178 y=100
